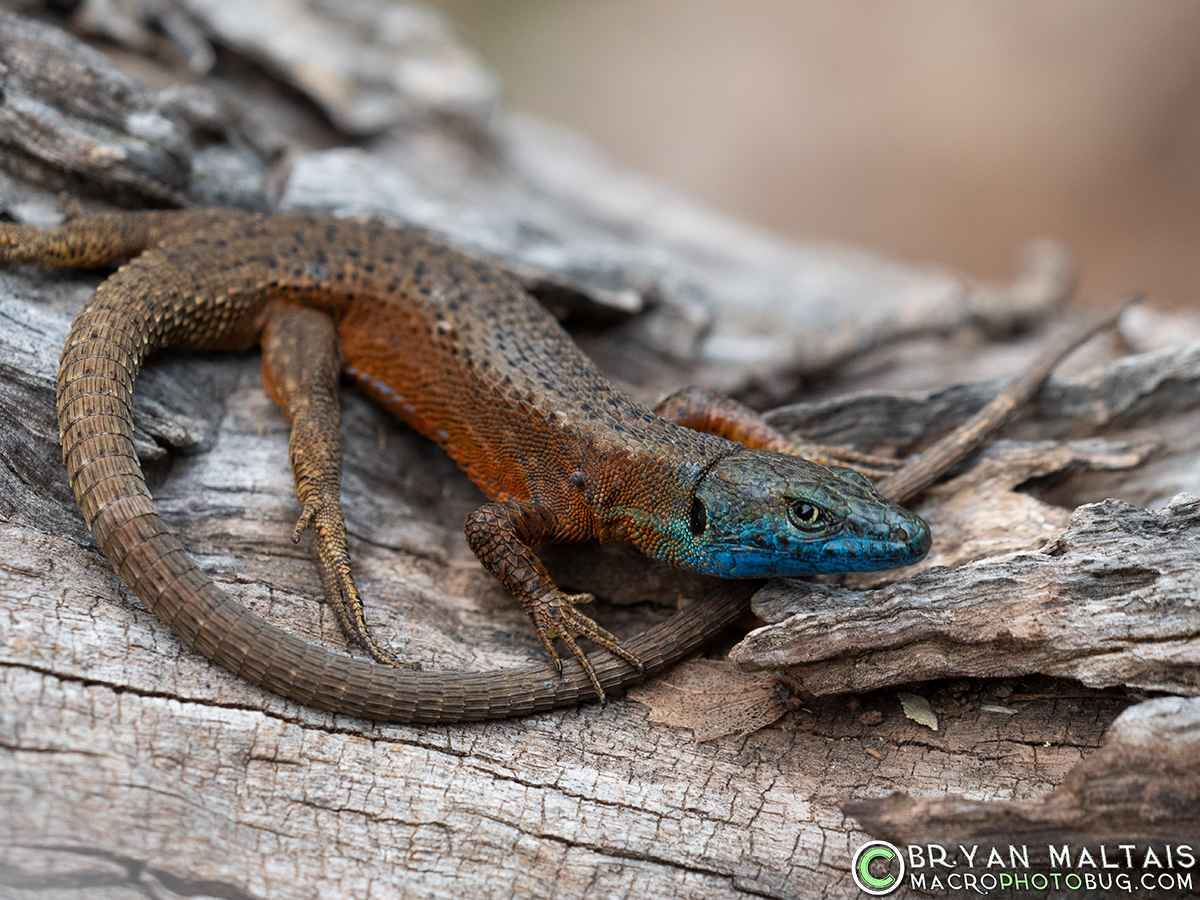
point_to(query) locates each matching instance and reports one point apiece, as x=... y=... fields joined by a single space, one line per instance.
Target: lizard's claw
x=306 y=519
x=324 y=515
x=556 y=617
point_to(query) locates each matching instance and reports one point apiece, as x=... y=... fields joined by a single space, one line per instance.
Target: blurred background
x=933 y=130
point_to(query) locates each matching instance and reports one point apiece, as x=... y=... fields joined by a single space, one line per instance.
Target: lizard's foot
x=555 y=616
x=324 y=516
x=301 y=366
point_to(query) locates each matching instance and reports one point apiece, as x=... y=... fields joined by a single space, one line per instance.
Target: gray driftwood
x=131 y=767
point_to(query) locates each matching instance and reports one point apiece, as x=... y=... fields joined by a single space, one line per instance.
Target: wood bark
x=129 y=766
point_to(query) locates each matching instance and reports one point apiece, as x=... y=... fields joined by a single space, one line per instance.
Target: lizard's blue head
x=757 y=514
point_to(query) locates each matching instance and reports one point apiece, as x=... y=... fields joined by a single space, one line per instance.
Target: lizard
x=458 y=349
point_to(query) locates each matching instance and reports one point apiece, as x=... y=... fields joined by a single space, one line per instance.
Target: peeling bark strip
x=1113 y=600
x=1161 y=382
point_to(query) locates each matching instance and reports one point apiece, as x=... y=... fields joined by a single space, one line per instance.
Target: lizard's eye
x=806 y=516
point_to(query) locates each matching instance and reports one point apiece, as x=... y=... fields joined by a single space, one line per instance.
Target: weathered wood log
x=129 y=764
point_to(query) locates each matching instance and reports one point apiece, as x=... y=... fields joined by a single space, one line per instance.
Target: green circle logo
x=878 y=868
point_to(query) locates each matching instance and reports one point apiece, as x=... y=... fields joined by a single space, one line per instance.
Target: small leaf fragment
x=918 y=709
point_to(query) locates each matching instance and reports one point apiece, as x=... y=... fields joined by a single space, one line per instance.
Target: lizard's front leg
x=501 y=534
x=301 y=366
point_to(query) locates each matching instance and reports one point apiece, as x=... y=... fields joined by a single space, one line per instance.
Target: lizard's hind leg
x=301 y=365
x=715 y=414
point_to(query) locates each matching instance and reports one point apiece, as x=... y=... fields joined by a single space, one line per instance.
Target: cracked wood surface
x=131 y=767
